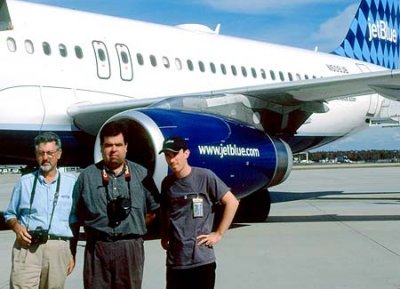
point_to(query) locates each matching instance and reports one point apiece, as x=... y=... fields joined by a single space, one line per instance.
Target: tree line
x=355 y=156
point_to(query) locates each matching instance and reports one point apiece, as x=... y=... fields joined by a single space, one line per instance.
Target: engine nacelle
x=242 y=156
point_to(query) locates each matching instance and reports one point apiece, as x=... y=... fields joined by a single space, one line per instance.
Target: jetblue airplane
x=244 y=106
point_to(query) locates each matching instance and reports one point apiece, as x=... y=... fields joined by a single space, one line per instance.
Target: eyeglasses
x=50 y=154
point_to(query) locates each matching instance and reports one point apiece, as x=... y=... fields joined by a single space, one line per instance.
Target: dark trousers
x=114 y=265
x=202 y=277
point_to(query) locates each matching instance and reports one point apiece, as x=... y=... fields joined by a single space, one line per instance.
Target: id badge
x=197 y=204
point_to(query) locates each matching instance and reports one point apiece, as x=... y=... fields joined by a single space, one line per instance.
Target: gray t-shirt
x=185 y=224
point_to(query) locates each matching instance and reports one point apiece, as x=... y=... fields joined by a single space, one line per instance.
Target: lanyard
x=55 y=197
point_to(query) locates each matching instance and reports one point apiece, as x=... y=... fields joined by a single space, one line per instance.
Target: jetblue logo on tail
x=381 y=30
x=373 y=34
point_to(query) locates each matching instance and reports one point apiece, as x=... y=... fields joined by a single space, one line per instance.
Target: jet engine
x=244 y=157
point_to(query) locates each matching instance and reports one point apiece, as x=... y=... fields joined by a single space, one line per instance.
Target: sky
x=309 y=24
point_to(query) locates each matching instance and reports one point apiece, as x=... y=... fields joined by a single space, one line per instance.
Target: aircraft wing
x=309 y=93
x=91 y=116
x=384 y=82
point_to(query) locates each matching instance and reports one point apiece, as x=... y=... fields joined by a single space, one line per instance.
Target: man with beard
x=114 y=200
x=39 y=214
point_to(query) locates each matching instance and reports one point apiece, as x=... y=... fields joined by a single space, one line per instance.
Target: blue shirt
x=42 y=205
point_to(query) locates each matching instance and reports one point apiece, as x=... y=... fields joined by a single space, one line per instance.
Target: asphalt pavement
x=328 y=229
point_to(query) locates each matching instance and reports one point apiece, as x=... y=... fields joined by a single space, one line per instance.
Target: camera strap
x=32 y=197
x=106 y=180
x=55 y=196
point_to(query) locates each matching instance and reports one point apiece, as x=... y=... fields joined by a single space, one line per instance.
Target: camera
x=118 y=209
x=39 y=236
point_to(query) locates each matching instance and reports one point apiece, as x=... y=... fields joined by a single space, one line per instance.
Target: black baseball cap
x=173 y=144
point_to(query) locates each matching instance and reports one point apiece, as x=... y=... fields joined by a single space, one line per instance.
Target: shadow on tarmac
x=332 y=218
x=279 y=197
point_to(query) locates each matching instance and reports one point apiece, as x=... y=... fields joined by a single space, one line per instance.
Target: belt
x=54 y=237
x=95 y=235
x=116 y=237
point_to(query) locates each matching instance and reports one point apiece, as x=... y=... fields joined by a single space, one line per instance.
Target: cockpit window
x=5 y=20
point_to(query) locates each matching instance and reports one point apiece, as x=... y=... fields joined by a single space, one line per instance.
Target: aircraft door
x=125 y=62
x=102 y=60
x=374 y=98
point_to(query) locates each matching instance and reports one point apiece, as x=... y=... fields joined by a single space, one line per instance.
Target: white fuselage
x=54 y=58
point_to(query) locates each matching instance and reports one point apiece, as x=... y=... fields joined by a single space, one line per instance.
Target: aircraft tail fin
x=374 y=34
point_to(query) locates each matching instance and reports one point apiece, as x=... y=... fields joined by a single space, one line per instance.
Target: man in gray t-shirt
x=188 y=199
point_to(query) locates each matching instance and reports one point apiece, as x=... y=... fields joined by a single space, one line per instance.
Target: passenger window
x=290 y=76
x=272 y=73
x=102 y=54
x=263 y=74
x=124 y=57
x=254 y=72
x=281 y=76
x=140 y=59
x=46 y=48
x=178 y=64
x=212 y=67
x=153 y=60
x=244 y=71
x=63 y=50
x=190 y=65
x=11 y=44
x=29 y=46
x=223 y=69
x=306 y=76
x=298 y=76
x=201 y=66
x=165 y=62
x=234 y=71
x=78 y=52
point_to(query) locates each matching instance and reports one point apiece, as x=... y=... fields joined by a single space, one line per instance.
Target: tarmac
x=327 y=229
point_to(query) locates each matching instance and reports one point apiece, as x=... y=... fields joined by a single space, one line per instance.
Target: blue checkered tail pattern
x=374 y=34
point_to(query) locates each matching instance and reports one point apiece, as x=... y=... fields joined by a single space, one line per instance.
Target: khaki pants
x=41 y=266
